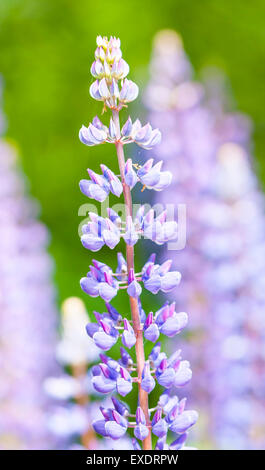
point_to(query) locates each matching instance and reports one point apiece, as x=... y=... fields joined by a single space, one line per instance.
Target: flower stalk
x=139 y=345
x=115 y=90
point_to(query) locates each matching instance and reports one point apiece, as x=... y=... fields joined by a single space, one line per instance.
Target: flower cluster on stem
x=223 y=261
x=28 y=312
x=115 y=91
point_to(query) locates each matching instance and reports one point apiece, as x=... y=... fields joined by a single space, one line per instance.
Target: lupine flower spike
x=223 y=265
x=120 y=376
x=27 y=311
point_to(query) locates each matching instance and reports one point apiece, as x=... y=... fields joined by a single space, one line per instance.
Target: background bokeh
x=46 y=51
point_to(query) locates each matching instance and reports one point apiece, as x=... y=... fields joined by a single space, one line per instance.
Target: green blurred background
x=47 y=47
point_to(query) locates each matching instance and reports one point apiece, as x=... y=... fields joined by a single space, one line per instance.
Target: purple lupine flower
x=114 y=217
x=126 y=129
x=99 y=186
x=166 y=321
x=156 y=229
x=152 y=177
x=156 y=355
x=129 y=91
x=216 y=180
x=120 y=375
x=110 y=376
x=169 y=322
x=107 y=231
x=104 y=334
x=124 y=382
x=117 y=427
x=148 y=382
x=144 y=136
x=183 y=373
x=176 y=419
x=141 y=430
x=170 y=371
x=114 y=182
x=120 y=406
x=134 y=289
x=100 y=282
x=165 y=375
x=92 y=135
x=184 y=421
x=126 y=359
x=129 y=174
x=113 y=313
x=105 y=382
x=99 y=427
x=130 y=235
x=159 y=424
x=128 y=336
x=113 y=425
x=156 y=277
x=149 y=176
x=151 y=330
x=28 y=313
x=98 y=232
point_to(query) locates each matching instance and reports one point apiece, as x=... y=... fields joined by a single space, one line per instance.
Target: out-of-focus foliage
x=46 y=52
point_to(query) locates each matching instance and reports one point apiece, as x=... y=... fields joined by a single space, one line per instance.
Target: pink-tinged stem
x=139 y=345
